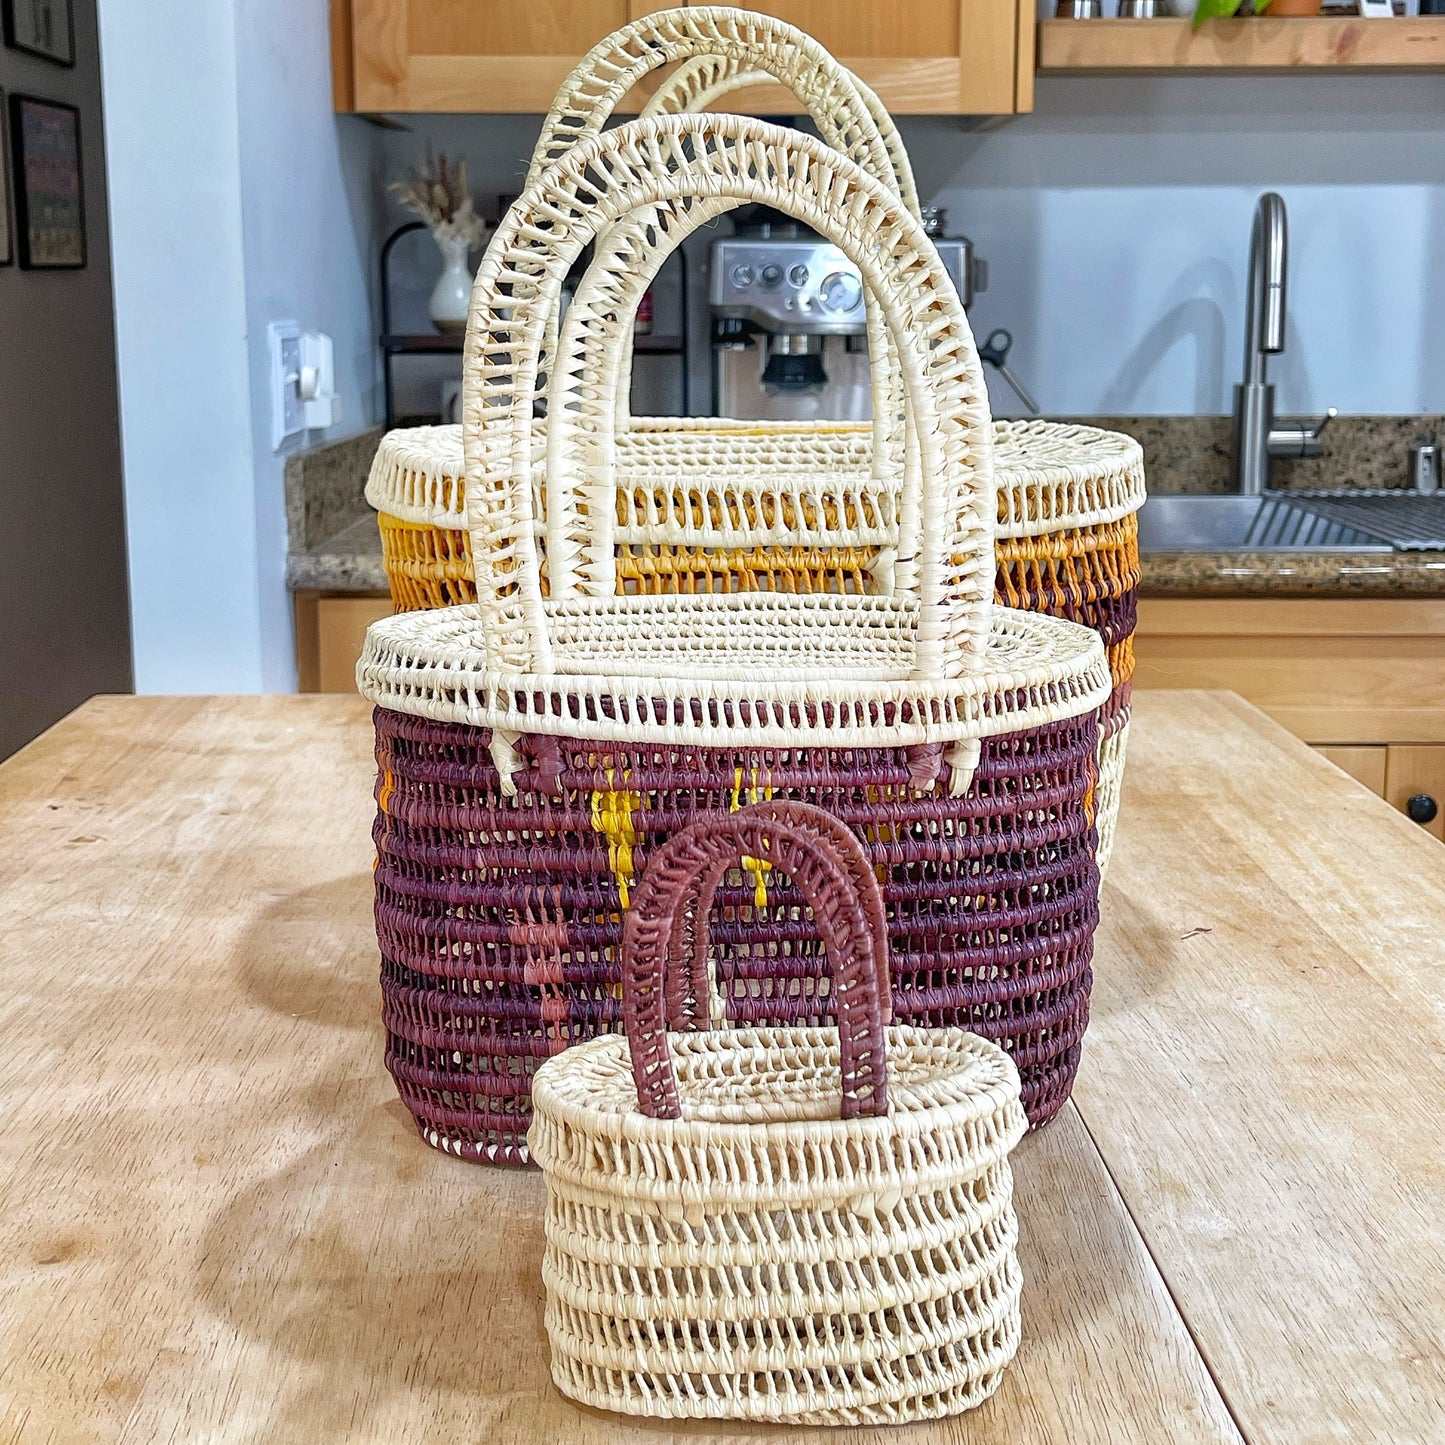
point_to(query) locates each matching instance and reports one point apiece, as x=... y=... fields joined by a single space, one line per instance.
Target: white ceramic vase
x=452 y=295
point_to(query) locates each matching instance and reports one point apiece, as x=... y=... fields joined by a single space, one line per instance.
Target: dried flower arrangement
x=436 y=192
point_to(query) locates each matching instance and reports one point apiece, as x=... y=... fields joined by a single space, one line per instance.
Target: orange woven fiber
x=426 y=567
x=1086 y=574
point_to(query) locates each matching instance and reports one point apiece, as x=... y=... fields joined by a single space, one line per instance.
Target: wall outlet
x=288 y=416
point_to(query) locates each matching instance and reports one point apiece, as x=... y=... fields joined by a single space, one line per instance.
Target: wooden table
x=217 y=1223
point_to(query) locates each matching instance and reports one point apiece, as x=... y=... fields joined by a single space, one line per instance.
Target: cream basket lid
x=1052 y=476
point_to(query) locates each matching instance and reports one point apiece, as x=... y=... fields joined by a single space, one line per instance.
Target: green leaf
x=1219 y=10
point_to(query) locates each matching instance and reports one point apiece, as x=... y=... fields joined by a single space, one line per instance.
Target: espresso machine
x=789 y=332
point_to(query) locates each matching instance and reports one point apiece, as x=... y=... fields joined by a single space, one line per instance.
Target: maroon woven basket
x=500 y=919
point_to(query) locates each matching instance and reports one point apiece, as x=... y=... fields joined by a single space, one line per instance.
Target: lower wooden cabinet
x=330 y=628
x=1415 y=783
x=1366 y=765
x=1363 y=680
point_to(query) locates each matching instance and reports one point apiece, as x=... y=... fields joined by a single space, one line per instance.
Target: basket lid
x=1052 y=476
x=766 y=1094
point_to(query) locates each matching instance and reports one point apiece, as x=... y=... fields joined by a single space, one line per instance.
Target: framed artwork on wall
x=7 y=231
x=41 y=27
x=49 y=196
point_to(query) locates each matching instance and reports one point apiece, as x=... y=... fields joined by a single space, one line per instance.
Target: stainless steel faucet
x=1259 y=436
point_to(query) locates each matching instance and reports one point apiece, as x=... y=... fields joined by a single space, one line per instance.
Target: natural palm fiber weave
x=537 y=746
x=787 y=1224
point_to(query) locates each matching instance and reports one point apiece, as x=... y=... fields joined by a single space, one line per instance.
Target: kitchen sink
x=1294 y=522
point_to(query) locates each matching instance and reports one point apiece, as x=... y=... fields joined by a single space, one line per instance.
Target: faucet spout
x=1258 y=436
x=1268 y=261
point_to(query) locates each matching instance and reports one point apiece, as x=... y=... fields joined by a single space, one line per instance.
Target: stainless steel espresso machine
x=788 y=327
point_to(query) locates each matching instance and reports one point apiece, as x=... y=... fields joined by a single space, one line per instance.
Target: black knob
x=1422 y=808
x=771 y=274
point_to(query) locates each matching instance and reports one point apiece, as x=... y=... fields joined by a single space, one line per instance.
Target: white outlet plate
x=288 y=417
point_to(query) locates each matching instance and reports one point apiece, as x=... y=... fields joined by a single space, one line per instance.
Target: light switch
x=303 y=382
x=287 y=419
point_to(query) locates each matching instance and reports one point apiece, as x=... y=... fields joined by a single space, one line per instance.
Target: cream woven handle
x=670 y=164
x=605 y=75
x=700 y=84
x=697 y=87
x=665 y=942
x=844 y=110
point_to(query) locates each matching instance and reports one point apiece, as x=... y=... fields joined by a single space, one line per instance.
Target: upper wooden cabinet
x=923 y=57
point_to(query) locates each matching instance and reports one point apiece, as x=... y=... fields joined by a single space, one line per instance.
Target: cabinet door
x=1413 y=772
x=461 y=55
x=950 y=57
x=923 y=57
x=1365 y=764
x=329 y=635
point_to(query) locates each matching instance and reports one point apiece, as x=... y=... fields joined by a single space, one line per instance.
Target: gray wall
x=64 y=617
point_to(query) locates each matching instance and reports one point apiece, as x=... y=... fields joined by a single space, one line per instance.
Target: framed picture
x=7 y=231
x=41 y=27
x=49 y=199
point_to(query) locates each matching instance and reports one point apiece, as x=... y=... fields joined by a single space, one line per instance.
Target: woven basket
x=1066 y=542
x=537 y=746
x=799 y=1225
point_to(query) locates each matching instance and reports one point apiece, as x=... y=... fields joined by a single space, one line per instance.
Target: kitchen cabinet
x=1361 y=679
x=1415 y=783
x=1365 y=765
x=923 y=57
x=330 y=629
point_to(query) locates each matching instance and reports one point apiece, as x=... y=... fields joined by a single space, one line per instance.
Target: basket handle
x=698 y=86
x=728 y=43
x=665 y=942
x=701 y=83
x=603 y=77
x=945 y=564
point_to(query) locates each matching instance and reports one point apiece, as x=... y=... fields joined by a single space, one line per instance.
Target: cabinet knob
x=1422 y=808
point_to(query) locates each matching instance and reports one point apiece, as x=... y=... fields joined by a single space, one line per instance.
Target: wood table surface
x=217 y=1222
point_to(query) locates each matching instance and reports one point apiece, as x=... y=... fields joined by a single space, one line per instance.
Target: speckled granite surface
x=324 y=489
x=335 y=546
x=1191 y=454
x=1293 y=574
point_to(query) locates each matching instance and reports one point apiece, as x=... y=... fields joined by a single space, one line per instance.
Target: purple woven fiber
x=500 y=918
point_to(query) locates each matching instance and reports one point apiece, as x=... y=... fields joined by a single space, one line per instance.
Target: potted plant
x=437 y=193
x=1221 y=9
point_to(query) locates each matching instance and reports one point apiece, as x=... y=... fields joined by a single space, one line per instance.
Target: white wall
x=239 y=198
x=169 y=85
x=1116 y=219
x=308 y=184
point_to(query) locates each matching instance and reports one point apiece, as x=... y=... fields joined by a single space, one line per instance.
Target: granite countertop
x=335 y=546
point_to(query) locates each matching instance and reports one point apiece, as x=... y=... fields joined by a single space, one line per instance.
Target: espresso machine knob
x=840 y=292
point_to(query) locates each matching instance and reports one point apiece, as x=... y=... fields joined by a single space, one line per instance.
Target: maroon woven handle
x=665 y=941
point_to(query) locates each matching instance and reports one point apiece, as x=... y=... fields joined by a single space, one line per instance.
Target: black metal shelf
x=394 y=344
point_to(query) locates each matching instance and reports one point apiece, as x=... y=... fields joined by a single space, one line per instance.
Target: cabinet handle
x=1422 y=808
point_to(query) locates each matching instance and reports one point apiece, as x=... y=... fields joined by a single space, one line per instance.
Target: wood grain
x=343 y=65
x=1267 y=1093
x=1360 y=671
x=1329 y=42
x=921 y=56
x=217 y=1220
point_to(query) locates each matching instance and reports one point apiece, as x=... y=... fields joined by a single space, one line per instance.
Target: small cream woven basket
x=800 y=1225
